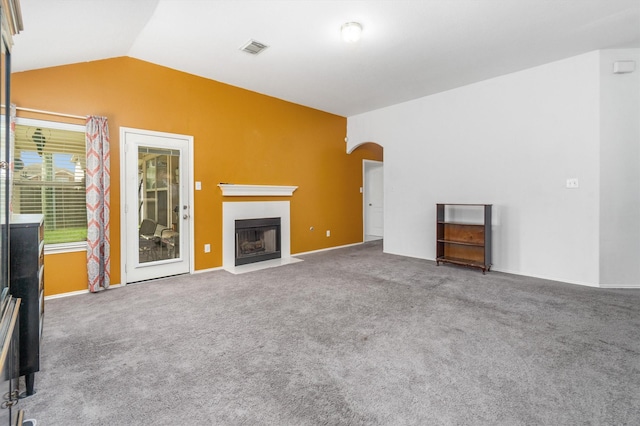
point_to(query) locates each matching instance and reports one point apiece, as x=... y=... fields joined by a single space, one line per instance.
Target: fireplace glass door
x=257 y=240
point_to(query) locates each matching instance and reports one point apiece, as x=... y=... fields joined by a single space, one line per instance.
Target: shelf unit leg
x=29 y=380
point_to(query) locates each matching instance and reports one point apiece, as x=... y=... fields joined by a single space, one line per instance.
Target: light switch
x=572 y=183
x=198 y=186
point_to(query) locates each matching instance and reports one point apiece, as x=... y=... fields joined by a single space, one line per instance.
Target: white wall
x=511 y=141
x=619 y=171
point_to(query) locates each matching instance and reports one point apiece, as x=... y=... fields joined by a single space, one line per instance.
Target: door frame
x=123 y=194
x=365 y=165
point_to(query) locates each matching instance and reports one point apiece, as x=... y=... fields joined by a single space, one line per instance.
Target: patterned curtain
x=98 y=203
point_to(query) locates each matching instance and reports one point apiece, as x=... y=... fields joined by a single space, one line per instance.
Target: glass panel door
x=158 y=203
x=156 y=233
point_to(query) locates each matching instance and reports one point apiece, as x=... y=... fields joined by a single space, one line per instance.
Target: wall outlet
x=198 y=186
x=572 y=183
x=207 y=248
x=328 y=233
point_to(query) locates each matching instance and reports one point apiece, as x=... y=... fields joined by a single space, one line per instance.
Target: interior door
x=157 y=213
x=373 y=200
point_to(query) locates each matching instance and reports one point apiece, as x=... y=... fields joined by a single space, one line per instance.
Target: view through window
x=49 y=177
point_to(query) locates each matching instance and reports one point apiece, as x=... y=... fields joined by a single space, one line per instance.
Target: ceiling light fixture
x=351 y=32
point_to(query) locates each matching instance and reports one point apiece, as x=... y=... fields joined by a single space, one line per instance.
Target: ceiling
x=409 y=48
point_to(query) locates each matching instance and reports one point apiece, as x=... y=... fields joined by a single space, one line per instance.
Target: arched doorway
x=372 y=189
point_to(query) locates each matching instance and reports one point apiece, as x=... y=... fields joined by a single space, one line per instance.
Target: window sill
x=65 y=247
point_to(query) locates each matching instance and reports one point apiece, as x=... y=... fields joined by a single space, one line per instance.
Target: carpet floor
x=350 y=336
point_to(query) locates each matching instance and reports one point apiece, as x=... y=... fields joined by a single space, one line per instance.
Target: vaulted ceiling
x=409 y=48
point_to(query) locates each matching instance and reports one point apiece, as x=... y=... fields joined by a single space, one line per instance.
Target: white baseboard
x=620 y=286
x=201 y=271
x=547 y=278
x=325 y=249
x=75 y=293
x=541 y=277
x=60 y=295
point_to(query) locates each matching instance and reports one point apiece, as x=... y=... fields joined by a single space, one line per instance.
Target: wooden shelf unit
x=462 y=243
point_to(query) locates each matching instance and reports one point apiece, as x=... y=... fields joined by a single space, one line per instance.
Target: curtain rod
x=39 y=111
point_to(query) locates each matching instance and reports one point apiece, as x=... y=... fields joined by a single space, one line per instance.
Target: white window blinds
x=49 y=177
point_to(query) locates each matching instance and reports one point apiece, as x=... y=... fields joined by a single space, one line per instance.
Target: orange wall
x=65 y=272
x=239 y=136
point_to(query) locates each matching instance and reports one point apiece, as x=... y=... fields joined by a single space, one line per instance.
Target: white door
x=156 y=218
x=373 y=200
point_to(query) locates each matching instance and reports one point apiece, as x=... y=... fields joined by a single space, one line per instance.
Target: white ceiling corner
x=409 y=48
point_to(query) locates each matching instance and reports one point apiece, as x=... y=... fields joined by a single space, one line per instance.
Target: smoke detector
x=253 y=47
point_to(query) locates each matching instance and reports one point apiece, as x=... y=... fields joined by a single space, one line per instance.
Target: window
x=49 y=177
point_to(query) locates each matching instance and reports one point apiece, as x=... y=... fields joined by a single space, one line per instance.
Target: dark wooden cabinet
x=26 y=275
x=462 y=241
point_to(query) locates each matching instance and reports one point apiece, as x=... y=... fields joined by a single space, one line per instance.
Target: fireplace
x=257 y=240
x=242 y=210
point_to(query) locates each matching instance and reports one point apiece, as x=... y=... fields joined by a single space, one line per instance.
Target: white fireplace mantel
x=231 y=190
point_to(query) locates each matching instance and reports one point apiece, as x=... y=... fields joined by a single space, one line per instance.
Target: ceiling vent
x=253 y=47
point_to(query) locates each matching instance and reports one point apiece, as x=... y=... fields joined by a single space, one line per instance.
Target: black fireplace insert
x=257 y=240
